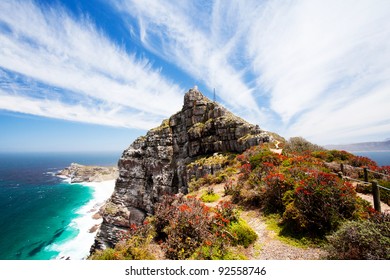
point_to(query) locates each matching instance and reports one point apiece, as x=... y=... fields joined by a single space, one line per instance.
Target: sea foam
x=78 y=247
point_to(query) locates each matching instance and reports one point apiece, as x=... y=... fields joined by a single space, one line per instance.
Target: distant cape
x=364 y=146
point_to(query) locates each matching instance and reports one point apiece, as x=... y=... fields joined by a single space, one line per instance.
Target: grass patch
x=257 y=248
x=215 y=253
x=291 y=238
x=243 y=232
x=209 y=197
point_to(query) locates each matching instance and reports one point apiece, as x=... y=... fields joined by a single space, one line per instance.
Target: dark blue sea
x=381 y=158
x=37 y=209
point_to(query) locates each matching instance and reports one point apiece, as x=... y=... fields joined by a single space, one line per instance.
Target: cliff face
x=156 y=164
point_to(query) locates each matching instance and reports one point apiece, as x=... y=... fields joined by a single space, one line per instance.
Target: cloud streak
x=201 y=39
x=297 y=67
x=326 y=62
x=317 y=69
x=49 y=46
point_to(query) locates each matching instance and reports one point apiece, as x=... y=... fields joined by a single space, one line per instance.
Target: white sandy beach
x=78 y=247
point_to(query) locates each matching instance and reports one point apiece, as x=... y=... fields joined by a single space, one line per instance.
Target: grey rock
x=156 y=164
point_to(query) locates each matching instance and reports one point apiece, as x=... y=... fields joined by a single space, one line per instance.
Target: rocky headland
x=158 y=163
x=78 y=173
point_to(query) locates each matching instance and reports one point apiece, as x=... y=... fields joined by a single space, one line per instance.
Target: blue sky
x=93 y=75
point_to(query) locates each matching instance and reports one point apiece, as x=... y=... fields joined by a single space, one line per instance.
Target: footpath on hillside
x=267 y=246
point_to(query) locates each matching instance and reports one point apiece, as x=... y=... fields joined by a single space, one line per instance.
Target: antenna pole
x=214 y=96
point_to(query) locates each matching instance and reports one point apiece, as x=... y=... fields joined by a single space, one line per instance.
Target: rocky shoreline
x=78 y=173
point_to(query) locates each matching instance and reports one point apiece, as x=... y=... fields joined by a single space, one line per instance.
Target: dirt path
x=384 y=207
x=277 y=150
x=268 y=247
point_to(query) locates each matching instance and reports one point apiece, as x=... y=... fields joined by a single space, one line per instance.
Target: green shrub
x=243 y=233
x=219 y=178
x=340 y=155
x=361 y=240
x=300 y=145
x=332 y=155
x=196 y=184
x=107 y=254
x=206 y=197
x=216 y=252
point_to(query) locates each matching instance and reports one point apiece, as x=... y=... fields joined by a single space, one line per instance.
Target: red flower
x=133 y=227
x=184 y=207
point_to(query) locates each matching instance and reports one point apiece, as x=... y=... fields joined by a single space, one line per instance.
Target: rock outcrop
x=78 y=173
x=155 y=164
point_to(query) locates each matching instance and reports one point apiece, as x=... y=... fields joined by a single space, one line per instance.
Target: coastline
x=86 y=223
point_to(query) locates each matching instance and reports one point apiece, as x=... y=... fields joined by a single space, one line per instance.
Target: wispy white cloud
x=318 y=69
x=202 y=39
x=325 y=66
x=312 y=64
x=102 y=115
x=49 y=46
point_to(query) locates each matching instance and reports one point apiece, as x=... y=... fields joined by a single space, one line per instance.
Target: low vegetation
x=357 y=240
x=209 y=195
x=297 y=191
x=134 y=245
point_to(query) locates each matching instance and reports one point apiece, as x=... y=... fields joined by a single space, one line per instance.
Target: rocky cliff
x=156 y=164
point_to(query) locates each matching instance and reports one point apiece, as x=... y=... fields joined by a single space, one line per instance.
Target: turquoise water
x=37 y=208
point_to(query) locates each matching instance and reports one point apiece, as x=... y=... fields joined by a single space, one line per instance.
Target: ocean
x=42 y=216
x=381 y=157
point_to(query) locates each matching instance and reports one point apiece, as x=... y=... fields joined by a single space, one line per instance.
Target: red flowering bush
x=358 y=161
x=226 y=212
x=319 y=203
x=245 y=170
x=242 y=158
x=193 y=230
x=265 y=155
x=185 y=224
x=276 y=185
